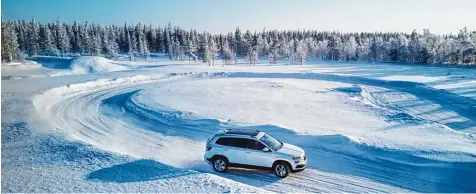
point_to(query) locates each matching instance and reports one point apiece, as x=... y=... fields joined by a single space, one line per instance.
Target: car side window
x=254 y=145
x=232 y=142
x=223 y=141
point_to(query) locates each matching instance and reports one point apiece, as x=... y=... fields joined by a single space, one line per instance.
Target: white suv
x=253 y=149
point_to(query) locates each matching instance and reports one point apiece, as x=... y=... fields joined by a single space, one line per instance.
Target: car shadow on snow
x=137 y=171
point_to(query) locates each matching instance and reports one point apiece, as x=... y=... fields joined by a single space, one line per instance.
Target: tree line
x=23 y=38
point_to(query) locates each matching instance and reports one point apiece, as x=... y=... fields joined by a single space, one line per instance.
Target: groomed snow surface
x=88 y=124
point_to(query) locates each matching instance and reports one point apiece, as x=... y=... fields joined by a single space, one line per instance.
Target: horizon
x=345 y=16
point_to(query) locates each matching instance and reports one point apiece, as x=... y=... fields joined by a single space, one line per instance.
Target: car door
x=255 y=155
x=233 y=148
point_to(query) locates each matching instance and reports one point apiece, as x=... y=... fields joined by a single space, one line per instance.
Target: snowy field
x=89 y=124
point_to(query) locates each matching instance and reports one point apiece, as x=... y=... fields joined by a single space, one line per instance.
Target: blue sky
x=440 y=16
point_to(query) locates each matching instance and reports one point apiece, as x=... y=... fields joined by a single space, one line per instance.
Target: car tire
x=220 y=164
x=281 y=169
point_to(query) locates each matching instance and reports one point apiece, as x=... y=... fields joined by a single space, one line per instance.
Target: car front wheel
x=281 y=169
x=220 y=164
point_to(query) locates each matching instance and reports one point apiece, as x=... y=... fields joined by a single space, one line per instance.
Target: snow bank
x=20 y=66
x=94 y=65
x=88 y=64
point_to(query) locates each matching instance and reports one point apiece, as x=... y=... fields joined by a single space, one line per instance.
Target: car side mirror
x=265 y=149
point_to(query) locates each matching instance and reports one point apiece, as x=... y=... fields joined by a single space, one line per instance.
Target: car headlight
x=296 y=159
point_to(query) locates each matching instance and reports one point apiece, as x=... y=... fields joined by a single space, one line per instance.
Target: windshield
x=271 y=142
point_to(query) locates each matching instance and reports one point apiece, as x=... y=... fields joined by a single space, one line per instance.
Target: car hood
x=291 y=150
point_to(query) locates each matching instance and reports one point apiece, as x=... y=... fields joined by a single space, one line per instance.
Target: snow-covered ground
x=93 y=125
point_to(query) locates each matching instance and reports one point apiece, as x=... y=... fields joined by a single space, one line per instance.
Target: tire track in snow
x=112 y=131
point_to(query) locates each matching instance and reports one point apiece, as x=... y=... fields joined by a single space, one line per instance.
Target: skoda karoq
x=253 y=149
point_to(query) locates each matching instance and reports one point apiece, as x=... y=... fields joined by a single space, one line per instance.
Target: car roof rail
x=252 y=133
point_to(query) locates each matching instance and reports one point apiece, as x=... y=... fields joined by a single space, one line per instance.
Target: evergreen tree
x=62 y=40
x=96 y=42
x=169 y=41
x=302 y=51
x=159 y=41
x=112 y=46
x=46 y=42
x=33 y=38
x=227 y=53
x=10 y=46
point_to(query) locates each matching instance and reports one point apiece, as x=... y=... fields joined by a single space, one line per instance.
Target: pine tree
x=159 y=41
x=84 y=42
x=33 y=38
x=205 y=50
x=169 y=41
x=112 y=46
x=75 y=38
x=302 y=51
x=414 y=47
x=10 y=46
x=22 y=34
x=151 y=39
x=133 y=43
x=46 y=42
x=227 y=53
x=62 y=41
x=129 y=49
x=178 y=50
x=192 y=49
x=142 y=42
x=238 y=41
x=212 y=47
x=96 y=42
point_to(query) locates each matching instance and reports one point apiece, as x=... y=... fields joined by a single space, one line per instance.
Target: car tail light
x=209 y=148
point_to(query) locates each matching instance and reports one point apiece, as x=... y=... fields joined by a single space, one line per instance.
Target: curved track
x=105 y=117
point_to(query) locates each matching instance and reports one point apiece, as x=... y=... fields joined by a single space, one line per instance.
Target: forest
x=22 y=39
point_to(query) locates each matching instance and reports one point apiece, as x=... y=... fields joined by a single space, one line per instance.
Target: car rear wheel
x=220 y=164
x=281 y=169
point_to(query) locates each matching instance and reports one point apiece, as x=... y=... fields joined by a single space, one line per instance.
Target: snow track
x=104 y=114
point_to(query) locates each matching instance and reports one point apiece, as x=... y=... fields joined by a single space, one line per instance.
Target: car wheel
x=281 y=169
x=220 y=164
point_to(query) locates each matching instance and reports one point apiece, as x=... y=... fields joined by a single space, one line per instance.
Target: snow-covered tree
x=212 y=47
x=302 y=51
x=350 y=47
x=62 y=40
x=334 y=46
x=423 y=48
x=33 y=38
x=110 y=45
x=142 y=42
x=169 y=41
x=192 y=49
x=46 y=42
x=228 y=55
x=205 y=50
x=96 y=46
x=179 y=52
x=10 y=46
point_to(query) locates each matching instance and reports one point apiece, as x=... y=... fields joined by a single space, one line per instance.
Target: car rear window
x=232 y=142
